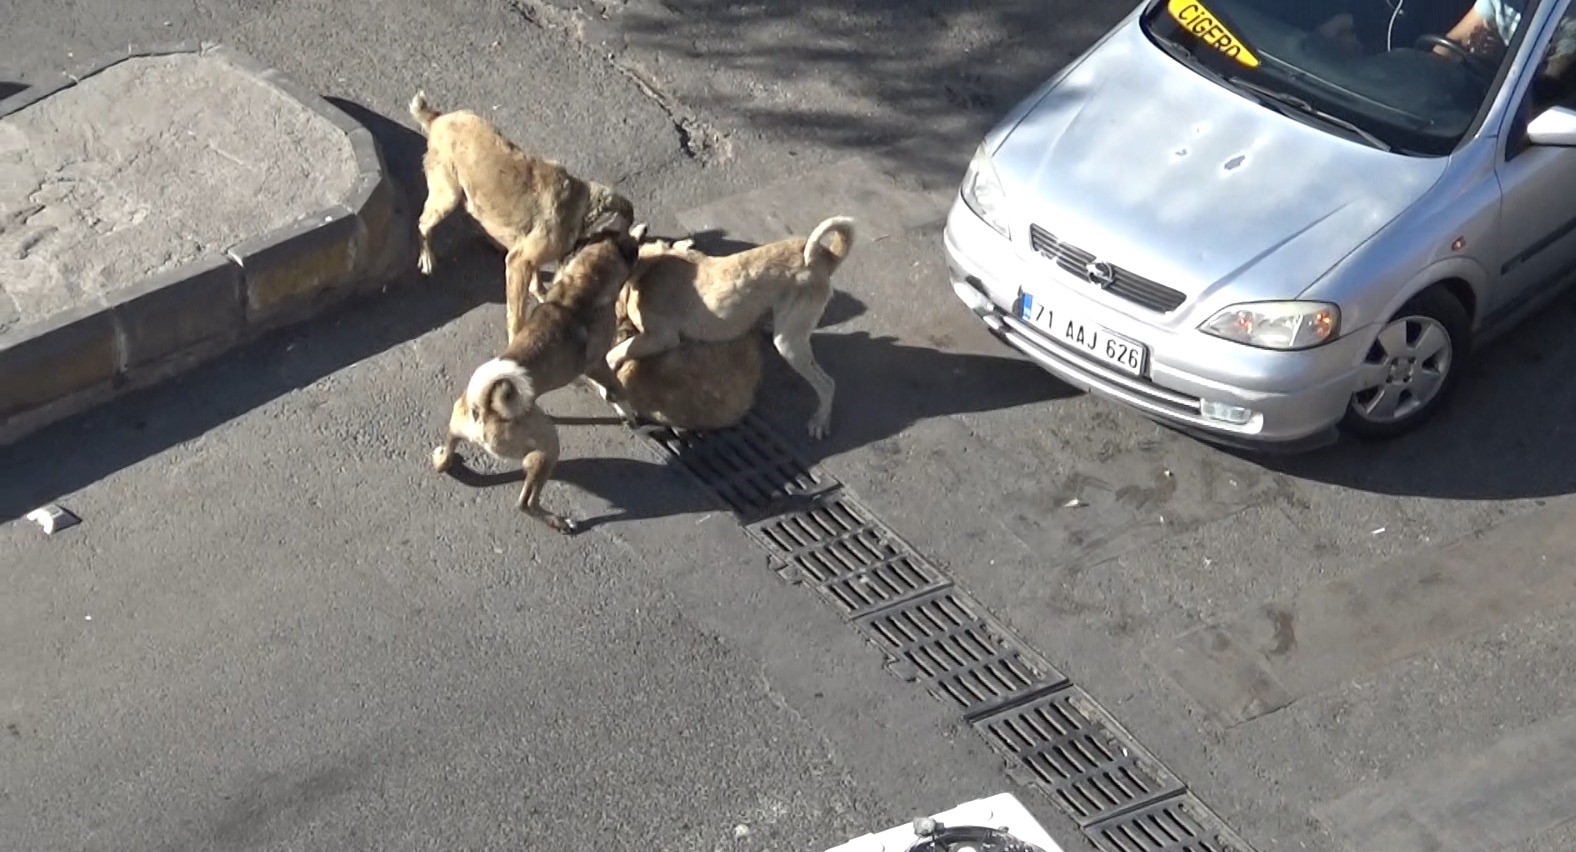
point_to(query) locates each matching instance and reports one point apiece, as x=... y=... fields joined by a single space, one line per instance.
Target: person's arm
x=1474 y=22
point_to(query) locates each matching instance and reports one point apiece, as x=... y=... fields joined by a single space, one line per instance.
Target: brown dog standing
x=567 y=336
x=678 y=293
x=533 y=208
x=693 y=385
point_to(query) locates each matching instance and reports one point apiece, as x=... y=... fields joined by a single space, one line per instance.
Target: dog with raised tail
x=693 y=386
x=567 y=336
x=678 y=293
x=532 y=208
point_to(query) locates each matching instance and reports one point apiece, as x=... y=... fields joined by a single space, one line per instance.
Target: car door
x=1538 y=191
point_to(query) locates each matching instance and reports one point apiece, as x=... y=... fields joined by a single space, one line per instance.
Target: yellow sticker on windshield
x=1202 y=23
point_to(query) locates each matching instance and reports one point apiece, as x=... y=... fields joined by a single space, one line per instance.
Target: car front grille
x=1134 y=288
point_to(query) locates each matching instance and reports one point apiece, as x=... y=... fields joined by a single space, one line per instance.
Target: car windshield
x=1407 y=75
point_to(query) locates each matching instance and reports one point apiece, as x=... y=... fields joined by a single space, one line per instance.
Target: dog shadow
x=637 y=490
x=10 y=87
x=884 y=387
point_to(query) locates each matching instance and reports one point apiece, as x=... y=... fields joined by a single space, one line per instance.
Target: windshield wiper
x=1182 y=54
x=1264 y=94
x=1267 y=96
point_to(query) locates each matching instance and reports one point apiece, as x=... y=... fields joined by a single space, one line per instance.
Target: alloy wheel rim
x=1404 y=371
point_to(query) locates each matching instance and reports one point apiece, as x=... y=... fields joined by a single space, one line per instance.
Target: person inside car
x=1490 y=24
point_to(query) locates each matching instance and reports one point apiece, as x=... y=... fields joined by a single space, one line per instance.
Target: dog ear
x=630 y=251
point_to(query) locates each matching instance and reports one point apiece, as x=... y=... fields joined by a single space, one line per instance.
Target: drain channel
x=1073 y=750
x=1173 y=825
x=1052 y=735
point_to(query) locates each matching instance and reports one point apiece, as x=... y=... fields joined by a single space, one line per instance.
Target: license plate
x=1101 y=343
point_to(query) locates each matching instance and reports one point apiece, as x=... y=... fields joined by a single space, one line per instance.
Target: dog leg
x=518 y=271
x=443 y=197
x=538 y=466
x=443 y=454
x=521 y=265
x=792 y=338
x=642 y=345
x=610 y=388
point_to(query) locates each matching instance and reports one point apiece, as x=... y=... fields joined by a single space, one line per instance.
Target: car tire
x=1412 y=367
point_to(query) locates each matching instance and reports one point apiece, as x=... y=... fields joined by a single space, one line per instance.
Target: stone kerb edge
x=168 y=323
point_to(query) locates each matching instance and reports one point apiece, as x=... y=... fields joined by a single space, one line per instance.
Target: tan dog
x=567 y=336
x=678 y=294
x=694 y=385
x=533 y=208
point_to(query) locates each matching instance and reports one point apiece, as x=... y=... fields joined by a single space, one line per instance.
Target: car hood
x=1147 y=164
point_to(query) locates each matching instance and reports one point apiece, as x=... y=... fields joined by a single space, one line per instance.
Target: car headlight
x=1277 y=325
x=982 y=193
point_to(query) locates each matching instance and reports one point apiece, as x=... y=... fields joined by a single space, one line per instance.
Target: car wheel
x=1411 y=369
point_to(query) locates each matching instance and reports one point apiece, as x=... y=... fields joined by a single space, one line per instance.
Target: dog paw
x=561 y=524
x=639 y=231
x=442 y=459
x=424 y=262
x=820 y=426
x=686 y=244
x=647 y=430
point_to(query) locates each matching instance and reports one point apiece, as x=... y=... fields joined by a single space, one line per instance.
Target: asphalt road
x=277 y=629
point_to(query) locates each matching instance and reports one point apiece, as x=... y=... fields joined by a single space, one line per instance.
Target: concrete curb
x=169 y=323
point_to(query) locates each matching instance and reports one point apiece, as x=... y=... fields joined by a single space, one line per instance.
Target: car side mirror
x=1554 y=127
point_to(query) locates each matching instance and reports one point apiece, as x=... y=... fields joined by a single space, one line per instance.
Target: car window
x=1415 y=74
x=1555 y=80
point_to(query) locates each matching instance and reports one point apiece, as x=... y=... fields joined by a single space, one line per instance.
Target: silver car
x=1268 y=222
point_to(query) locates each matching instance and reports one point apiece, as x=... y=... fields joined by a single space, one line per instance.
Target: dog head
x=595 y=271
x=607 y=210
x=610 y=227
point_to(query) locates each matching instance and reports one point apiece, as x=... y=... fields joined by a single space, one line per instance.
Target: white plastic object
x=1003 y=812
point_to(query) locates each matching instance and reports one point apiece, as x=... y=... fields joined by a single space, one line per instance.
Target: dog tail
x=422 y=111
x=512 y=400
x=841 y=229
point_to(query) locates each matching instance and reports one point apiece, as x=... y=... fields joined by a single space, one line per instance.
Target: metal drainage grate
x=1181 y=824
x=1053 y=734
x=796 y=532
x=1079 y=755
x=961 y=653
x=858 y=565
x=747 y=467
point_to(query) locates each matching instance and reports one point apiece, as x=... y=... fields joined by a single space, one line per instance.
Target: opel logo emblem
x=1100 y=273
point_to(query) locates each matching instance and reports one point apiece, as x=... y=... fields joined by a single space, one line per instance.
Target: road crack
x=698 y=140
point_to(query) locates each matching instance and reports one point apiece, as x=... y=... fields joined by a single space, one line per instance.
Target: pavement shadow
x=402 y=146
x=929 y=74
x=1509 y=434
x=84 y=449
x=81 y=450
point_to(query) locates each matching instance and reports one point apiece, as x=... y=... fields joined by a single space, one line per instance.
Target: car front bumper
x=1296 y=398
